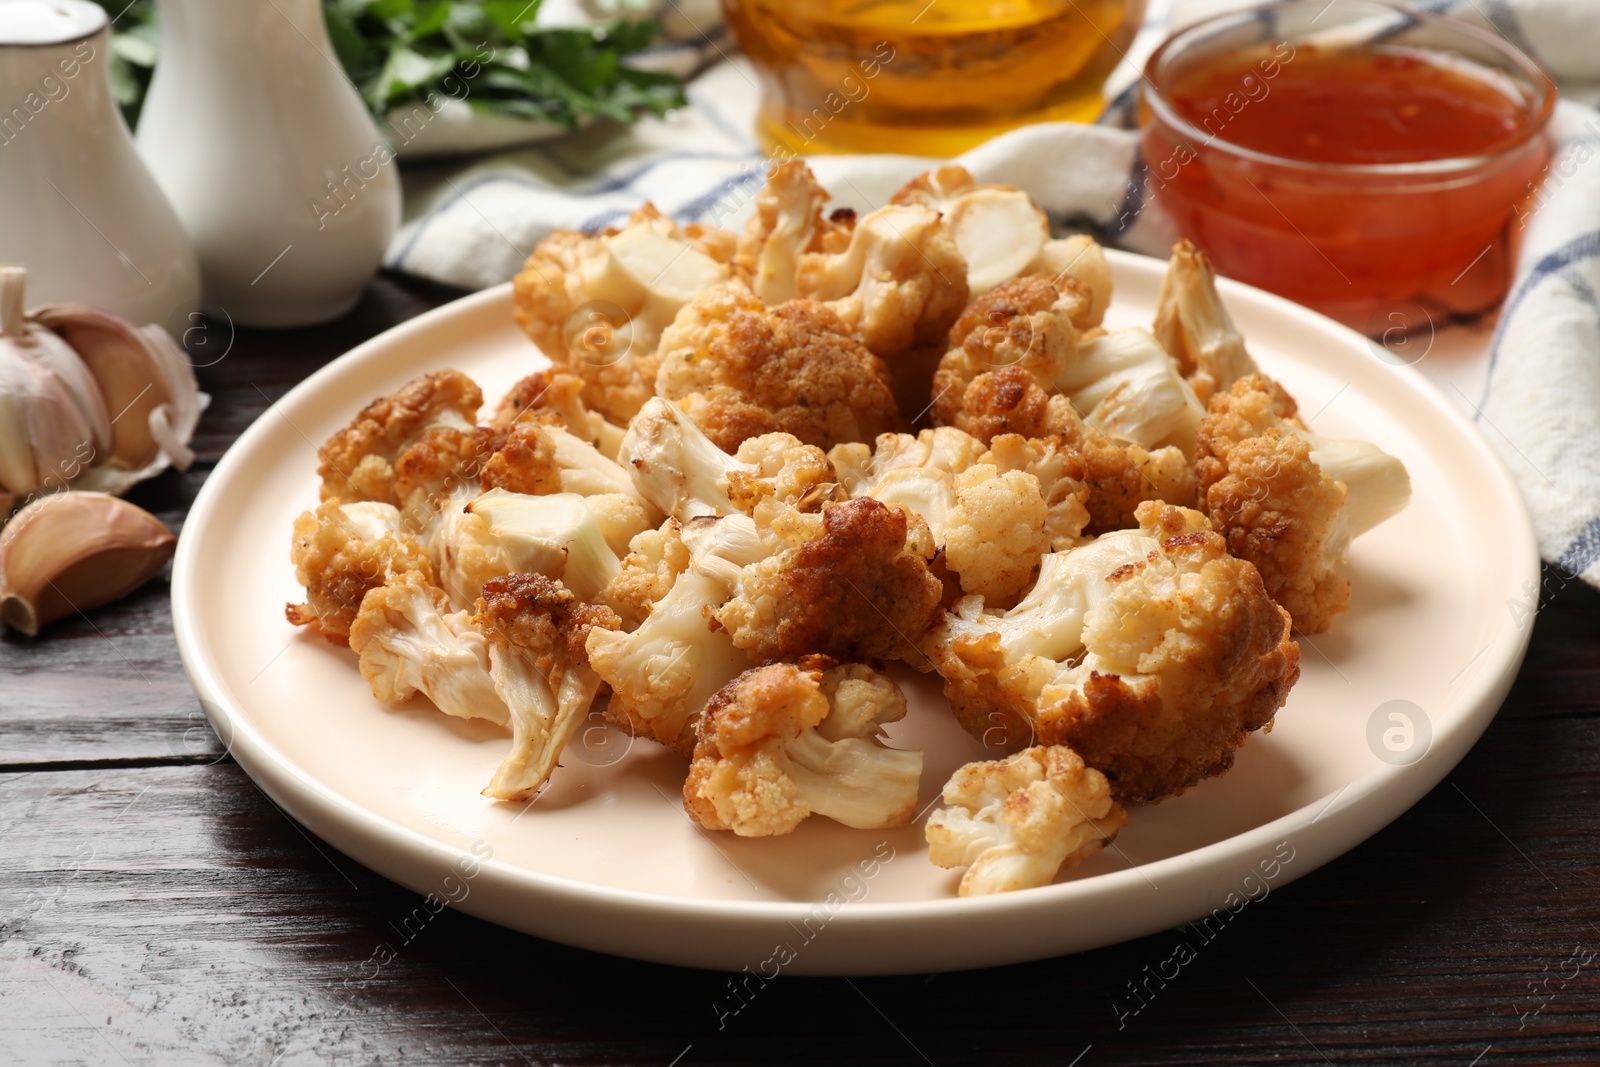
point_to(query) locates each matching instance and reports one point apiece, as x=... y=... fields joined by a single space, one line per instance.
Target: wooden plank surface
x=156 y=908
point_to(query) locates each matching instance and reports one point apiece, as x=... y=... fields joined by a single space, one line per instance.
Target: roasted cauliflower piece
x=675 y=656
x=740 y=369
x=597 y=304
x=441 y=476
x=1014 y=823
x=994 y=512
x=1195 y=328
x=1152 y=653
x=578 y=539
x=851 y=581
x=409 y=642
x=341 y=552
x=357 y=463
x=784 y=741
x=556 y=393
x=537 y=631
x=448 y=466
x=1119 y=475
x=788 y=223
x=1122 y=383
x=1289 y=500
x=681 y=471
x=894 y=276
x=1003 y=234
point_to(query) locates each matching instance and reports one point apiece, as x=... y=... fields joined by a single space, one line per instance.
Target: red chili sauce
x=1349 y=242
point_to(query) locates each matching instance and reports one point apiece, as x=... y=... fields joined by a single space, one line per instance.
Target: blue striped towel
x=1528 y=375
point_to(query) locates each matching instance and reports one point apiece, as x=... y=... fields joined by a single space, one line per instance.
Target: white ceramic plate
x=606 y=858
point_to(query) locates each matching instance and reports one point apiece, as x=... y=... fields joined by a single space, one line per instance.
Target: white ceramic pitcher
x=270 y=158
x=78 y=209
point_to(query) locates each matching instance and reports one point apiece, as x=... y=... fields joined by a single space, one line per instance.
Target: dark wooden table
x=156 y=908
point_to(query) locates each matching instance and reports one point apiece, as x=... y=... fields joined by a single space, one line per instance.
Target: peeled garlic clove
x=70 y=552
x=132 y=378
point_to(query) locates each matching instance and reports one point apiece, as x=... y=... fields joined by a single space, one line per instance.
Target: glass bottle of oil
x=925 y=77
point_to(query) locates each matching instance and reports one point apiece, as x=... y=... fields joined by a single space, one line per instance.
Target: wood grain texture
x=156 y=908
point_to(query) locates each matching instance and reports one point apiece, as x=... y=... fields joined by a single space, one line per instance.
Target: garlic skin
x=69 y=552
x=51 y=413
x=87 y=399
x=145 y=379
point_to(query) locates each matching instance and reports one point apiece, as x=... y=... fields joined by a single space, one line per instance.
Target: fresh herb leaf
x=487 y=52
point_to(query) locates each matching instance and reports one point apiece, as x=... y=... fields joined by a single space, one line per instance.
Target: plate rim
x=395 y=850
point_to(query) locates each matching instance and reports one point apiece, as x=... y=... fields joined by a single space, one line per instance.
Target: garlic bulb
x=69 y=552
x=87 y=399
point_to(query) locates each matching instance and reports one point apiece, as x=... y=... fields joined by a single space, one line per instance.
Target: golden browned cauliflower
x=740 y=369
x=485 y=502
x=357 y=463
x=596 y=304
x=784 y=741
x=537 y=631
x=449 y=466
x=893 y=276
x=1119 y=475
x=1195 y=328
x=1151 y=652
x=677 y=468
x=786 y=224
x=1290 y=501
x=993 y=512
x=850 y=582
x=1003 y=234
x=410 y=641
x=674 y=655
x=556 y=393
x=1014 y=823
x=1122 y=383
x=341 y=552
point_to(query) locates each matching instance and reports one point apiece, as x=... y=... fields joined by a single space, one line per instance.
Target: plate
x=1389 y=701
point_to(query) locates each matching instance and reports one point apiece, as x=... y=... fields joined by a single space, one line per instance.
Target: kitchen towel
x=1529 y=376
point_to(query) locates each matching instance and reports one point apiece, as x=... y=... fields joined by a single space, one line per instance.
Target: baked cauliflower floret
x=996 y=532
x=411 y=642
x=1003 y=234
x=680 y=470
x=1027 y=323
x=449 y=466
x=578 y=539
x=655 y=559
x=357 y=463
x=894 y=276
x=1290 y=501
x=664 y=670
x=785 y=741
x=786 y=224
x=341 y=552
x=899 y=285
x=537 y=631
x=1122 y=383
x=993 y=512
x=597 y=304
x=740 y=369
x=850 y=582
x=1195 y=328
x=1152 y=653
x=1062 y=476
x=1119 y=475
x=1015 y=823
x=556 y=393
